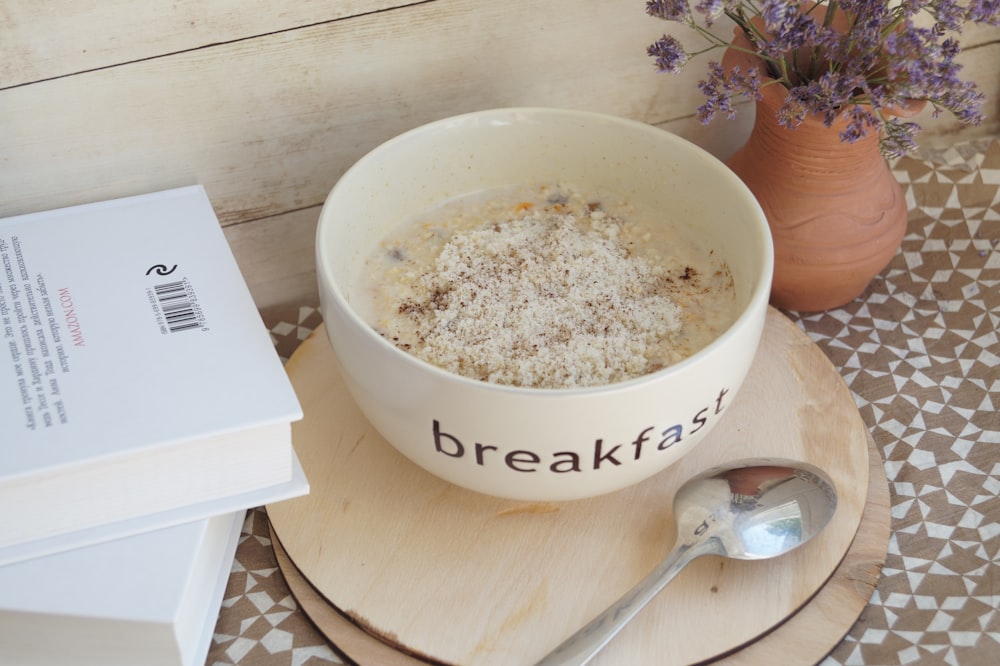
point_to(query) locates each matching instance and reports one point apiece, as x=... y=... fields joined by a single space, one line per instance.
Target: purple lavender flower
x=984 y=11
x=898 y=137
x=668 y=10
x=669 y=54
x=718 y=94
x=963 y=100
x=710 y=9
x=794 y=31
x=829 y=93
x=870 y=21
x=854 y=59
x=922 y=67
x=721 y=87
x=792 y=112
x=776 y=13
x=948 y=14
x=860 y=121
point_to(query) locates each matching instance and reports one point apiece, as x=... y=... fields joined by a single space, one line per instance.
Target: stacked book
x=143 y=410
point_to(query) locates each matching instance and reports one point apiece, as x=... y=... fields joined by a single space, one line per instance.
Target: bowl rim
x=755 y=307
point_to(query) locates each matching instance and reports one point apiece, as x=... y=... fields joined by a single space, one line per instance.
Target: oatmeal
x=545 y=289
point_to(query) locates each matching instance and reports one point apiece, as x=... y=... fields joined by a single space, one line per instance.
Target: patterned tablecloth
x=919 y=351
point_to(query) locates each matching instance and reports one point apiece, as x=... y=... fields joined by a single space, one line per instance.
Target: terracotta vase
x=836 y=212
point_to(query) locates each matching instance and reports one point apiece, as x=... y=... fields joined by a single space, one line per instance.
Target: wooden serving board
x=453 y=576
x=804 y=638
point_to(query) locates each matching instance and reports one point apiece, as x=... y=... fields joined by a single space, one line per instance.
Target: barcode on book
x=178 y=307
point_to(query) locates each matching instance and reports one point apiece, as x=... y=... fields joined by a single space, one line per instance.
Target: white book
x=296 y=487
x=151 y=599
x=139 y=387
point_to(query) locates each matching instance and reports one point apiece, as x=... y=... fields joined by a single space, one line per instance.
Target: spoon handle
x=582 y=646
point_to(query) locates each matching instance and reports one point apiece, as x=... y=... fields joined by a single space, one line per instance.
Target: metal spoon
x=748 y=510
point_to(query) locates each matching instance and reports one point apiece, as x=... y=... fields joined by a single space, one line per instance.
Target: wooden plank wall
x=267 y=103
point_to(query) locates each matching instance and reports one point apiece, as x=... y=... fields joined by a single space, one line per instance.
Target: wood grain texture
x=466 y=578
x=804 y=638
x=44 y=40
x=277 y=253
x=267 y=104
x=268 y=124
x=277 y=257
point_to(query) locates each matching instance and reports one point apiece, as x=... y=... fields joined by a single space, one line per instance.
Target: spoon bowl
x=746 y=510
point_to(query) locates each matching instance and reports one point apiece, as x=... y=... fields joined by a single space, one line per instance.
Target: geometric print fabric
x=920 y=352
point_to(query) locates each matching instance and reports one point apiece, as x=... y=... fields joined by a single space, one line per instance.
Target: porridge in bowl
x=619 y=300
x=544 y=287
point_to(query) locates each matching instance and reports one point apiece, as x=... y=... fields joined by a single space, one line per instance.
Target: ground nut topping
x=548 y=294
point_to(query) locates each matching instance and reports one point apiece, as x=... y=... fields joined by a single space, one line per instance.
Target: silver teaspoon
x=747 y=510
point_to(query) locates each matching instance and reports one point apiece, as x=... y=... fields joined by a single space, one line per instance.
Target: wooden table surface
x=920 y=353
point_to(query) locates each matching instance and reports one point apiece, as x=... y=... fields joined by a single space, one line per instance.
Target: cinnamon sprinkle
x=542 y=299
x=547 y=295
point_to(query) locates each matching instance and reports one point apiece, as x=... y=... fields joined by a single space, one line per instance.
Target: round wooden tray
x=447 y=575
x=804 y=638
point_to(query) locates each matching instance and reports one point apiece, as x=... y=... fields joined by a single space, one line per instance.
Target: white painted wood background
x=267 y=103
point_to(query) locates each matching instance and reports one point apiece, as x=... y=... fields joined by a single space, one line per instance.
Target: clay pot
x=836 y=212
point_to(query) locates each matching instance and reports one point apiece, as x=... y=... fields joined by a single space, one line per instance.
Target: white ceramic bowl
x=503 y=440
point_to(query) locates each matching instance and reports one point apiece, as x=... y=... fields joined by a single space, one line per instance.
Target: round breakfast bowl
x=540 y=444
